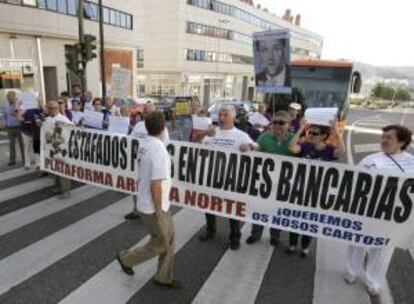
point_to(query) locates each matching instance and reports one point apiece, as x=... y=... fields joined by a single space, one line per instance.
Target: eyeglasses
x=314 y=133
x=279 y=122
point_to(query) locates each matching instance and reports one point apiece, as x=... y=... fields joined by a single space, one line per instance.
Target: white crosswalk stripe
x=236 y=277
x=186 y=223
x=25 y=188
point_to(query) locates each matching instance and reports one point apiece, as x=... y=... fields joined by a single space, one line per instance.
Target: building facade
x=204 y=47
x=34 y=33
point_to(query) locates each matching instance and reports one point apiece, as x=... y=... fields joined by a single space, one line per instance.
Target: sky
x=377 y=32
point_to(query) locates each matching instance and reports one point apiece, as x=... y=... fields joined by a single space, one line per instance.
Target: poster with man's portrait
x=271 y=50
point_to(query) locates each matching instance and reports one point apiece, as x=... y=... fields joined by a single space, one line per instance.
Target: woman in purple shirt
x=315 y=147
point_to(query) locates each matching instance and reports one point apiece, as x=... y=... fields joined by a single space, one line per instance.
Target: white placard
x=28 y=100
x=201 y=123
x=121 y=82
x=119 y=125
x=257 y=119
x=321 y=116
x=93 y=119
x=77 y=116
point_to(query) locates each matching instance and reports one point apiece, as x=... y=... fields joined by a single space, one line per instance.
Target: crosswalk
x=63 y=251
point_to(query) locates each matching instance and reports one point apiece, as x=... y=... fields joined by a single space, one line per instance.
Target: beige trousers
x=161 y=244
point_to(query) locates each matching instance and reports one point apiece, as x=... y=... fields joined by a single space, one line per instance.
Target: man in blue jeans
x=275 y=142
x=13 y=128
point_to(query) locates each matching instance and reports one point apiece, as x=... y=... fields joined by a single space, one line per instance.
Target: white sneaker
x=349 y=278
x=374 y=292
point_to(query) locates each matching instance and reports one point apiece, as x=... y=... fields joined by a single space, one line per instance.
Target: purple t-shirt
x=309 y=151
x=29 y=126
x=295 y=125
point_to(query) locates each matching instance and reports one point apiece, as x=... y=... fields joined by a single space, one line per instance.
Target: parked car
x=247 y=106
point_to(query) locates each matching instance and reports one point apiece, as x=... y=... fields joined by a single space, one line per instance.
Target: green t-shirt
x=269 y=143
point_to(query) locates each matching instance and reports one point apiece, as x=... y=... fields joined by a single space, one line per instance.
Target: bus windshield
x=322 y=86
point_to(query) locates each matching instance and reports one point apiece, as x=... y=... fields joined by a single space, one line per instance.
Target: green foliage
x=389 y=92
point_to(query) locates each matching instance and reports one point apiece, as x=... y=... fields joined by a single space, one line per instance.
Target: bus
x=319 y=83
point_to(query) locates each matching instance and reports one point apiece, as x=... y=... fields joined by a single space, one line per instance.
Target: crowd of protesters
x=287 y=133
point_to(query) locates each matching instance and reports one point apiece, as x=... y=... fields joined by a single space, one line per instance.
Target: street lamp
x=221 y=21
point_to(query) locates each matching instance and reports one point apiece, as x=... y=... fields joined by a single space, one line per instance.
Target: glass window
x=123 y=19
x=62 y=6
x=129 y=22
x=90 y=10
x=51 y=5
x=72 y=7
x=113 y=17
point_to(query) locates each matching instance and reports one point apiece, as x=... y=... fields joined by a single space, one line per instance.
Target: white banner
x=320 y=199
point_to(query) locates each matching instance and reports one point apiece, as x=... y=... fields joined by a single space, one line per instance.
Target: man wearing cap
x=294 y=111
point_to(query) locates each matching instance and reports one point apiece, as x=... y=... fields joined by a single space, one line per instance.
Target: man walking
x=154 y=180
x=13 y=127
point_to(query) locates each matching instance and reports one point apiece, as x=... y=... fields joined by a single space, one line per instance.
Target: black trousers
x=257 y=231
x=294 y=239
x=235 y=233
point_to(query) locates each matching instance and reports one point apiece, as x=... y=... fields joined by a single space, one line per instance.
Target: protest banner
x=271 y=53
x=28 y=100
x=118 y=124
x=321 y=199
x=93 y=119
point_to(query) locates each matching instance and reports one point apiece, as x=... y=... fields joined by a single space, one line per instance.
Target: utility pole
x=81 y=62
x=102 y=49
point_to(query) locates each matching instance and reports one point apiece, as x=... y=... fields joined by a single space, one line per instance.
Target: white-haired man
x=227 y=136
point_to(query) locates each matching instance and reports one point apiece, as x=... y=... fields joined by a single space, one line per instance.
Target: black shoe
x=234 y=245
x=274 y=242
x=251 y=240
x=127 y=270
x=173 y=285
x=290 y=250
x=131 y=216
x=304 y=253
x=10 y=164
x=206 y=236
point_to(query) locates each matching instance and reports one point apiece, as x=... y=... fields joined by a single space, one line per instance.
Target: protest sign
x=121 y=82
x=321 y=116
x=93 y=119
x=118 y=124
x=271 y=52
x=320 y=199
x=77 y=117
x=182 y=106
x=257 y=119
x=28 y=100
x=201 y=123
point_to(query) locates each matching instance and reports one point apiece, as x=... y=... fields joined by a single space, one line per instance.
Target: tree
x=402 y=94
x=389 y=92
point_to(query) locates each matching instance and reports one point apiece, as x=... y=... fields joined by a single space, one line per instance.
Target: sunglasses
x=314 y=133
x=279 y=122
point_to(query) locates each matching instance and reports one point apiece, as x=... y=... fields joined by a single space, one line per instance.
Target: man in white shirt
x=140 y=132
x=227 y=136
x=62 y=184
x=372 y=264
x=154 y=184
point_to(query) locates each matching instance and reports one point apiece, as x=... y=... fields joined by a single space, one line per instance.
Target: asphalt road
x=63 y=251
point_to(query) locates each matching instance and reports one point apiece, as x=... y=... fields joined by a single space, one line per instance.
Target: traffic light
x=89 y=47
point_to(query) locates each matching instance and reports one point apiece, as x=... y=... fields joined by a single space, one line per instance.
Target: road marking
x=238 y=275
x=111 y=285
x=329 y=283
x=25 y=216
x=9 y=174
x=4 y=142
x=365 y=148
x=32 y=259
x=403 y=117
x=25 y=188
